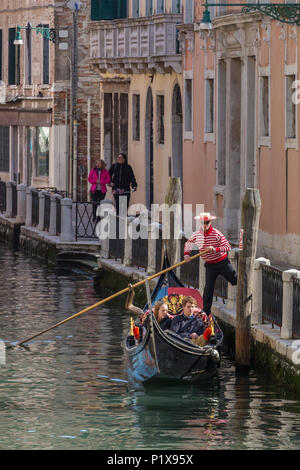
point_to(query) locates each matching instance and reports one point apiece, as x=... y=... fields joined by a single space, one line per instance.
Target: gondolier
x=216 y=259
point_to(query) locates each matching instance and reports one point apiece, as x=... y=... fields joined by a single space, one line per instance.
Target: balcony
x=136 y=45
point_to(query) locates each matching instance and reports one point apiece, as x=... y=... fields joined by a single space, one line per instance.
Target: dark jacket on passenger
x=122 y=176
x=164 y=324
x=184 y=326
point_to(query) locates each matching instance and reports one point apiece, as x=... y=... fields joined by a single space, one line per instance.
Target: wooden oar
x=113 y=296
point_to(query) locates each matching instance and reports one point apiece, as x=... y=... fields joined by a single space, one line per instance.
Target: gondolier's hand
x=211 y=249
x=193 y=335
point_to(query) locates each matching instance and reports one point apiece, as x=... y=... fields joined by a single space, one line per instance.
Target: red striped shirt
x=203 y=240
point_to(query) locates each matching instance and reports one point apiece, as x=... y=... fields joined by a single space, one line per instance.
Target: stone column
x=41 y=210
x=256 y=313
x=232 y=290
x=21 y=208
x=106 y=213
x=53 y=210
x=66 y=220
x=9 y=199
x=287 y=303
x=128 y=243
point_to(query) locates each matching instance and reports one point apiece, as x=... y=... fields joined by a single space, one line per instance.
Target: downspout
x=74 y=105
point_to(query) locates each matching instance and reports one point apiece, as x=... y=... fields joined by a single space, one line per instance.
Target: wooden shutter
x=108 y=9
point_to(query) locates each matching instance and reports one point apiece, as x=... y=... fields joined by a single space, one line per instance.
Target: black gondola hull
x=164 y=356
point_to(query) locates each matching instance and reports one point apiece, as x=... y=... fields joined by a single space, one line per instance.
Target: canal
x=70 y=391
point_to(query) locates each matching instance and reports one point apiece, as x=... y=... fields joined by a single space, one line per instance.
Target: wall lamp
x=284 y=12
x=47 y=33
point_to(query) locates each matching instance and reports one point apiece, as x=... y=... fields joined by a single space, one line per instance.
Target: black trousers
x=97 y=197
x=117 y=200
x=212 y=270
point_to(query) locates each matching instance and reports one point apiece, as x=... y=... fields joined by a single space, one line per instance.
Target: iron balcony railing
x=272 y=291
x=2 y=196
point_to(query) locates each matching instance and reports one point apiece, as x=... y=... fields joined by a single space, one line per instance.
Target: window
x=189 y=11
x=4 y=148
x=176 y=6
x=149 y=7
x=160 y=6
x=13 y=59
x=28 y=60
x=264 y=106
x=136 y=117
x=290 y=108
x=108 y=9
x=188 y=105
x=42 y=151
x=209 y=105
x=135 y=9
x=160 y=119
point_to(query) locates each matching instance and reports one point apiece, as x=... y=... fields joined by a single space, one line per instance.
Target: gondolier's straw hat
x=204 y=216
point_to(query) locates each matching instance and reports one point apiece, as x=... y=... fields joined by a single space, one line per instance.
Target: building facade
x=135 y=48
x=49 y=101
x=240 y=78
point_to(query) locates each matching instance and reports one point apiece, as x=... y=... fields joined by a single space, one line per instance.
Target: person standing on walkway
x=99 y=178
x=122 y=180
x=216 y=259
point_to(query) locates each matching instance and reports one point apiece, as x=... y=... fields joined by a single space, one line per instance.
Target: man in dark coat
x=122 y=180
x=186 y=324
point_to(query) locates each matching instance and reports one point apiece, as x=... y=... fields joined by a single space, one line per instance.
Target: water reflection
x=70 y=390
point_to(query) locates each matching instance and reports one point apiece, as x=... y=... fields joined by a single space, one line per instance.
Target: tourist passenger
x=216 y=260
x=186 y=324
x=122 y=180
x=99 y=178
x=160 y=311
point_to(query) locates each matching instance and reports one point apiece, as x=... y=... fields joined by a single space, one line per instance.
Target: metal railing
x=140 y=252
x=58 y=216
x=47 y=212
x=14 y=200
x=35 y=207
x=2 y=196
x=296 y=307
x=85 y=226
x=272 y=291
x=116 y=244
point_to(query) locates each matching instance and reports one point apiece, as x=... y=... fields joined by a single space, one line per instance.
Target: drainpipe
x=74 y=104
x=88 y=146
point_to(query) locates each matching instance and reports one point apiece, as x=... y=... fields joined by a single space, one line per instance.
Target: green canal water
x=69 y=390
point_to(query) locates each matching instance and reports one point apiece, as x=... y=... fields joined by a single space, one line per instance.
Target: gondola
x=159 y=355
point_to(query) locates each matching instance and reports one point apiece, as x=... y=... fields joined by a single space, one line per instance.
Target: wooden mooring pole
x=250 y=223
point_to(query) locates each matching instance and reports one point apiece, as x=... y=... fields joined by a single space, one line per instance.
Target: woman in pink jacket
x=99 y=178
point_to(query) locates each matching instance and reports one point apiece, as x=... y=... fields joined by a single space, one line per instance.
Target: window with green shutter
x=108 y=9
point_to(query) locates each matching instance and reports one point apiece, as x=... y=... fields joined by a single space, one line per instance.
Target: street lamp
x=47 y=33
x=285 y=12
